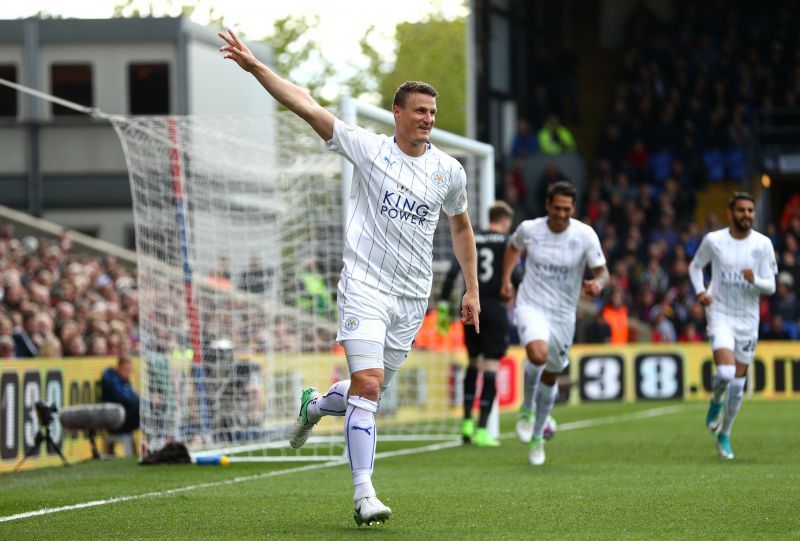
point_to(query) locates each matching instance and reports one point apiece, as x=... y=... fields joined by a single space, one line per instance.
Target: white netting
x=239 y=241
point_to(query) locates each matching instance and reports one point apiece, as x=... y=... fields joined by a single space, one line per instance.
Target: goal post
x=239 y=236
x=239 y=223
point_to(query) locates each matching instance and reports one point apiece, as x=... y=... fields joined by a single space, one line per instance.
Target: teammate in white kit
x=558 y=250
x=743 y=268
x=400 y=186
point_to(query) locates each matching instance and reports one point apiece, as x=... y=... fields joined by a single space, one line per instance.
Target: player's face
x=414 y=121
x=125 y=370
x=559 y=211
x=742 y=215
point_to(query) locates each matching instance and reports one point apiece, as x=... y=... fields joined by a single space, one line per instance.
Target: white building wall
x=217 y=85
x=109 y=69
x=12 y=138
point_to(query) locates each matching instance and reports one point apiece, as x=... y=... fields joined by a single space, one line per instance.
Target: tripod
x=44 y=413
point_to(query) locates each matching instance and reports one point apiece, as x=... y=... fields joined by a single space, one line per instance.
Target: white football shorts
x=742 y=343
x=366 y=313
x=533 y=324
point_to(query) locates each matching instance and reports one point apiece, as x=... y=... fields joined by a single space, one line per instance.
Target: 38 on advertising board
x=674 y=371
x=58 y=382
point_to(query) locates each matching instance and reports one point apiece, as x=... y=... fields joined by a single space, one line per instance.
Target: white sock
x=545 y=399
x=361 y=436
x=720 y=380
x=334 y=402
x=531 y=382
x=732 y=404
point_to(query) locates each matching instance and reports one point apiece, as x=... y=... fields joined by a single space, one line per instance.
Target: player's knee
x=549 y=378
x=726 y=372
x=537 y=357
x=367 y=385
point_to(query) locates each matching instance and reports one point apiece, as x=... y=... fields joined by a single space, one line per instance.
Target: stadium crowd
x=57 y=303
x=682 y=115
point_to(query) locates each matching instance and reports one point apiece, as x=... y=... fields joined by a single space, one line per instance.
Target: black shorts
x=492 y=342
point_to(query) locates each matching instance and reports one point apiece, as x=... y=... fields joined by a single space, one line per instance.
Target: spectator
x=598 y=331
x=116 y=387
x=525 y=142
x=663 y=329
x=784 y=303
x=690 y=334
x=615 y=314
x=775 y=330
x=790 y=211
x=6 y=347
x=555 y=138
x=257 y=278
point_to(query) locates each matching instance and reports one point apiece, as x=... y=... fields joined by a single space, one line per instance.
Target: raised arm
x=464 y=248
x=291 y=96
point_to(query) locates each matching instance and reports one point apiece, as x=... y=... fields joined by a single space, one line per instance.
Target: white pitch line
x=654 y=412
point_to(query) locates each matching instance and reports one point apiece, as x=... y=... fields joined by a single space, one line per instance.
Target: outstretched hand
x=236 y=50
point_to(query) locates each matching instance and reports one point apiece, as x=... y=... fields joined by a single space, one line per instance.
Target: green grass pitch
x=625 y=477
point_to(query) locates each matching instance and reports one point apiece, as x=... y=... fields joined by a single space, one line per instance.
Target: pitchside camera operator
x=116 y=387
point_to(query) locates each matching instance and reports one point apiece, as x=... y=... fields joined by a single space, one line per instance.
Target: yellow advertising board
x=634 y=372
x=57 y=382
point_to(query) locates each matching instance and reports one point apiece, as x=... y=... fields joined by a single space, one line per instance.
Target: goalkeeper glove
x=443 y=318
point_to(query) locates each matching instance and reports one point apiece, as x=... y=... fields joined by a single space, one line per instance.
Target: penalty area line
x=575 y=425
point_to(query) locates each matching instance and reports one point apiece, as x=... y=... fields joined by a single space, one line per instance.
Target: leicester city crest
x=351 y=323
x=438 y=178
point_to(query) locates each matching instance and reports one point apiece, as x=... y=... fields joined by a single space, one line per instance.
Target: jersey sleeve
x=456 y=200
x=517 y=238
x=352 y=142
x=768 y=266
x=594 y=253
x=701 y=258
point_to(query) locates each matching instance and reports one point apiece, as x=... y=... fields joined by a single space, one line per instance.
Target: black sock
x=487 y=397
x=470 y=381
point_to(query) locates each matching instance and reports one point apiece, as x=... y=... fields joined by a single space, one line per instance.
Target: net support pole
x=179 y=194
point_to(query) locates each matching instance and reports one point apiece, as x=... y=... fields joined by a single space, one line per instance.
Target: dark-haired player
x=558 y=250
x=487 y=348
x=743 y=268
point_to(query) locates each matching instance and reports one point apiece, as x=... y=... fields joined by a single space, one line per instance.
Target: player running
x=487 y=348
x=558 y=250
x=400 y=186
x=743 y=267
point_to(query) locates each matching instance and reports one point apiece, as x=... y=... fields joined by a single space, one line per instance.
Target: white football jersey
x=555 y=264
x=734 y=300
x=394 y=207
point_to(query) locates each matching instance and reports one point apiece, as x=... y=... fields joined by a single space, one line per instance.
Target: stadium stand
x=56 y=302
x=680 y=120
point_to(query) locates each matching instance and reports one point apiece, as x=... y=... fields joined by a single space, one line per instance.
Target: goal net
x=239 y=240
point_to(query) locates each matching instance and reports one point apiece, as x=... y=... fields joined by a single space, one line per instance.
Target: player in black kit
x=485 y=349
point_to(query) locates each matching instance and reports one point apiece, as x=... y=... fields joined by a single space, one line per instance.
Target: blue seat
x=714 y=161
x=660 y=166
x=791 y=328
x=736 y=163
